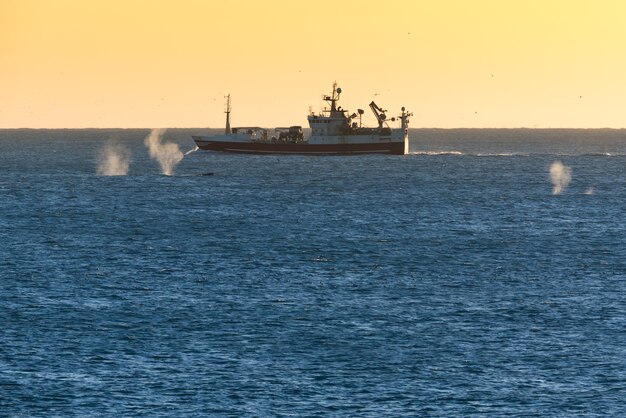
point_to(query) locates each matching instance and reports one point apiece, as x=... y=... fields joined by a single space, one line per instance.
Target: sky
x=453 y=63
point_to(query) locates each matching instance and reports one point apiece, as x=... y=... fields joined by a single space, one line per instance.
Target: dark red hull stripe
x=396 y=148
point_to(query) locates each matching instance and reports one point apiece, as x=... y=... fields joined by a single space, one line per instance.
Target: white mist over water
x=113 y=160
x=167 y=154
x=560 y=175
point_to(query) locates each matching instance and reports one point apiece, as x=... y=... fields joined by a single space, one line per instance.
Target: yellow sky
x=151 y=63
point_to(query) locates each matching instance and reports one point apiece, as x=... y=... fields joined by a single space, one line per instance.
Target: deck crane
x=379 y=113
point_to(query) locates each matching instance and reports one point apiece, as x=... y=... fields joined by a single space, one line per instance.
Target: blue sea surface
x=447 y=282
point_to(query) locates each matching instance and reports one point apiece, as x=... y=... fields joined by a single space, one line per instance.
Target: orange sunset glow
x=141 y=63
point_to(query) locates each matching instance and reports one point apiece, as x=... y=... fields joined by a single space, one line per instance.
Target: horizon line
x=206 y=127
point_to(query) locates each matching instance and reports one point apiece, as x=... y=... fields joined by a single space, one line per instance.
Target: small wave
x=591 y=154
x=504 y=154
x=437 y=153
x=515 y=154
x=599 y=154
x=191 y=151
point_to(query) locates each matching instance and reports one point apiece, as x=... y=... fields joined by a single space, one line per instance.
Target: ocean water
x=448 y=282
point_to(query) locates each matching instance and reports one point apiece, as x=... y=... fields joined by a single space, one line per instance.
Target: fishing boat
x=334 y=131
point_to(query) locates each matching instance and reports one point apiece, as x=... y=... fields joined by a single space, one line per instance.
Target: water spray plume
x=113 y=160
x=560 y=175
x=167 y=154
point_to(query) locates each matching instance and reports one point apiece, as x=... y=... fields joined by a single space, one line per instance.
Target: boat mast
x=227 y=111
x=334 y=98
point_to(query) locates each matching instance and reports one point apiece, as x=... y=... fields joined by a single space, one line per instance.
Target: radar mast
x=334 y=98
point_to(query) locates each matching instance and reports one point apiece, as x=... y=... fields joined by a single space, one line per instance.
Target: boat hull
x=395 y=148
